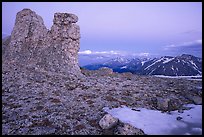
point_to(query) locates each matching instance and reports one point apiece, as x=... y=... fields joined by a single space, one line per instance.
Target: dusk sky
x=143 y=28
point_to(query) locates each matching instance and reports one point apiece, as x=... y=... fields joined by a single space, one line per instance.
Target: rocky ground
x=35 y=101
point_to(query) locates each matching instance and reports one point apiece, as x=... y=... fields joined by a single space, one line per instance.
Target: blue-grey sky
x=168 y=28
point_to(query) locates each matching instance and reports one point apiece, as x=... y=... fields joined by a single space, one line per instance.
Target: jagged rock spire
x=32 y=44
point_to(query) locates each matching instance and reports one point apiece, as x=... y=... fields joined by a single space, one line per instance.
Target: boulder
x=162 y=104
x=169 y=104
x=197 y=100
x=174 y=104
x=108 y=122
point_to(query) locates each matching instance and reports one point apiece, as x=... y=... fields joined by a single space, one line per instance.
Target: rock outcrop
x=33 y=45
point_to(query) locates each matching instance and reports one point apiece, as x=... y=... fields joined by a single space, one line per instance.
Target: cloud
x=85 y=52
x=102 y=52
x=113 y=53
x=192 y=43
x=184 y=45
x=192 y=32
x=144 y=54
x=192 y=47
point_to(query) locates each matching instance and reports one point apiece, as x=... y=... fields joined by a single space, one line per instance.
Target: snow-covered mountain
x=120 y=64
x=117 y=64
x=92 y=59
x=184 y=65
x=173 y=66
x=98 y=58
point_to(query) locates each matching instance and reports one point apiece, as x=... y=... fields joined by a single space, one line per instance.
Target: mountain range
x=183 y=65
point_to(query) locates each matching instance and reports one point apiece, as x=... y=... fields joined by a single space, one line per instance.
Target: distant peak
x=186 y=55
x=168 y=57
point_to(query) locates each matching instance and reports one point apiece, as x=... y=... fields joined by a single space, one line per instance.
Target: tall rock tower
x=33 y=45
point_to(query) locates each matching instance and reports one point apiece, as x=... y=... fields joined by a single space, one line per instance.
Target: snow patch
x=152 y=71
x=198 y=77
x=195 y=67
x=85 y=52
x=154 y=122
x=167 y=60
x=183 y=62
x=153 y=63
x=143 y=62
x=193 y=64
x=123 y=67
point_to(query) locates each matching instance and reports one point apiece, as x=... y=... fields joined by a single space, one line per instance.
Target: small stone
x=179 y=118
x=174 y=104
x=197 y=100
x=152 y=101
x=162 y=104
x=180 y=111
x=108 y=121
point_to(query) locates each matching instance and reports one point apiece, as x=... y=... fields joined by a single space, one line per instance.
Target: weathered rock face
x=32 y=44
x=28 y=27
x=65 y=36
